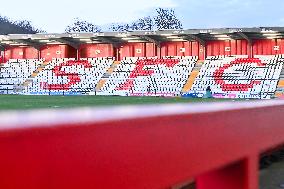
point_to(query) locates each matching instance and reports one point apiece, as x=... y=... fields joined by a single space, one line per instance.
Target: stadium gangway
x=153 y=147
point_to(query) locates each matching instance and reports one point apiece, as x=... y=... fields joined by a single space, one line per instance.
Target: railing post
x=240 y=175
x=252 y=172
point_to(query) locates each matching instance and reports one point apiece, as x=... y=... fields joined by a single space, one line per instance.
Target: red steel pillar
x=240 y=175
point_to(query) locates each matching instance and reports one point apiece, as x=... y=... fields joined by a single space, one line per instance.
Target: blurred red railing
x=152 y=147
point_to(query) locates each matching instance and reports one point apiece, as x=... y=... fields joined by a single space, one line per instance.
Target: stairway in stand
x=29 y=80
x=107 y=75
x=280 y=86
x=192 y=76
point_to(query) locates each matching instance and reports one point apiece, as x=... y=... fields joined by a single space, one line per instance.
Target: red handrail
x=139 y=147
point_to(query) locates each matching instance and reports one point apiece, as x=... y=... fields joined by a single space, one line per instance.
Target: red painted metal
x=57 y=51
x=151 y=50
x=227 y=44
x=275 y=43
x=31 y=53
x=179 y=47
x=96 y=50
x=138 y=50
x=237 y=47
x=202 y=52
x=213 y=48
x=15 y=53
x=174 y=49
x=209 y=49
x=281 y=44
x=127 y=50
x=216 y=49
x=254 y=48
x=217 y=147
x=165 y=49
x=54 y=51
x=8 y=54
x=71 y=52
x=259 y=47
x=222 y=48
x=238 y=175
x=195 y=48
x=188 y=48
x=24 y=52
x=270 y=46
x=245 y=50
x=233 y=47
x=264 y=47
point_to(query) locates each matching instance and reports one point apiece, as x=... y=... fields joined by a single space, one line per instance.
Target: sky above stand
x=54 y=15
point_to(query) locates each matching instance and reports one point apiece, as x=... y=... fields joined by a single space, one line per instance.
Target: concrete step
x=280 y=86
x=34 y=74
x=196 y=69
x=28 y=81
x=107 y=75
x=100 y=84
x=190 y=81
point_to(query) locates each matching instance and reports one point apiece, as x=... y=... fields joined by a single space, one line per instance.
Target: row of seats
x=146 y=76
x=239 y=76
x=70 y=75
x=228 y=76
x=14 y=72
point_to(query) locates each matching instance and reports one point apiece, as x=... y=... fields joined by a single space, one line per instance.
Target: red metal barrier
x=152 y=147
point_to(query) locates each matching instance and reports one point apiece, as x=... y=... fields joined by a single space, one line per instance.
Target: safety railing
x=153 y=147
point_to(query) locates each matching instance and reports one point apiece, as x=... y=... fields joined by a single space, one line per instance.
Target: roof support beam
x=30 y=43
x=68 y=42
x=244 y=36
x=109 y=41
x=151 y=40
x=196 y=38
x=250 y=42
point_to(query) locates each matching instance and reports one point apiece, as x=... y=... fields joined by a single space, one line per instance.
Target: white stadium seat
x=244 y=78
x=162 y=81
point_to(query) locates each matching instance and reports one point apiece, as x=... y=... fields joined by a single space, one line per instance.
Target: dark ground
x=273 y=176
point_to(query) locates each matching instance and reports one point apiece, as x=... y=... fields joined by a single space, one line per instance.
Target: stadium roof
x=118 y=38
